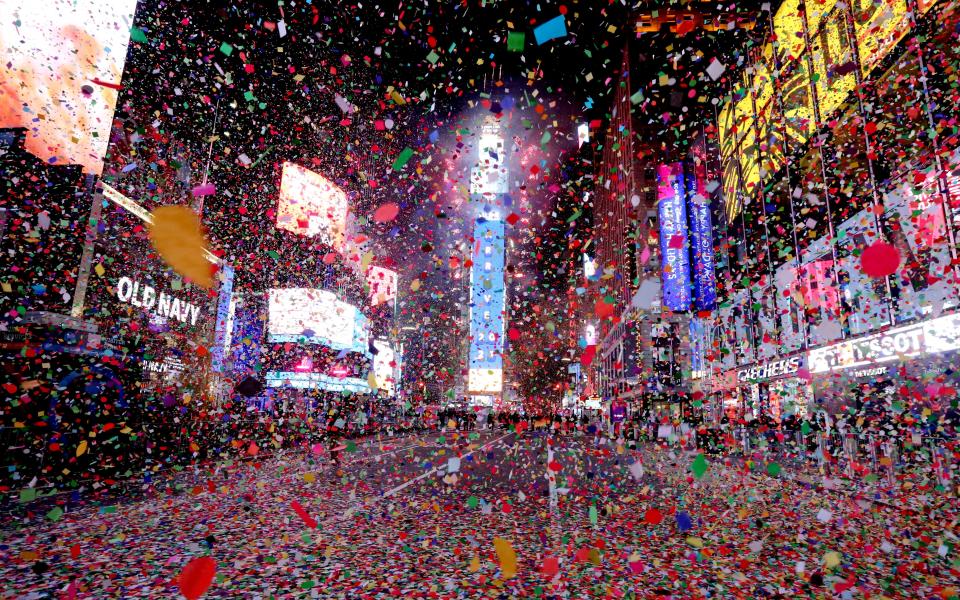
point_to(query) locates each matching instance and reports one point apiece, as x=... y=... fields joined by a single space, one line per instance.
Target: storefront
x=774 y=388
x=139 y=303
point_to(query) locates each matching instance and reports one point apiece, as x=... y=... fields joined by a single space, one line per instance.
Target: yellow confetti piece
x=309 y=477
x=82 y=448
x=178 y=238
x=474 y=565
x=695 y=542
x=507 y=556
x=831 y=559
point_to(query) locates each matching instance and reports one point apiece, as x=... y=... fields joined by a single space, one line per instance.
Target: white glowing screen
x=61 y=62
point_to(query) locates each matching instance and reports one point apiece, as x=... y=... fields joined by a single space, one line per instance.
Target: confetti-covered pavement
x=469 y=515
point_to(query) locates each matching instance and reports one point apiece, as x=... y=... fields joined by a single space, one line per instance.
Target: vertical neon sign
x=672 y=214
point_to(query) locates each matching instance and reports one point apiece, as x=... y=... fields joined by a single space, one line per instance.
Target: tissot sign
x=163 y=304
x=929 y=337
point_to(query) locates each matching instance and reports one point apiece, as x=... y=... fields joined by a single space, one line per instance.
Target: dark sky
x=344 y=88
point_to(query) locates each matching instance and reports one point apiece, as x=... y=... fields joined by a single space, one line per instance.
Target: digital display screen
x=312 y=316
x=382 y=284
x=386 y=367
x=62 y=62
x=675 y=260
x=485 y=372
x=311 y=205
x=701 y=239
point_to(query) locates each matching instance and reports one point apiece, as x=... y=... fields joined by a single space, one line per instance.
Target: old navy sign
x=672 y=214
x=769 y=370
x=929 y=337
x=163 y=305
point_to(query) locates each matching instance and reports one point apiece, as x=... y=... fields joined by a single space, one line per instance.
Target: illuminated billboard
x=487 y=299
x=61 y=63
x=878 y=27
x=312 y=316
x=672 y=214
x=489 y=176
x=311 y=205
x=701 y=239
x=382 y=284
x=385 y=367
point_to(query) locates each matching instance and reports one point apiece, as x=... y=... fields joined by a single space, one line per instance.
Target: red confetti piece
x=587 y=357
x=603 y=309
x=879 y=259
x=307 y=519
x=551 y=566
x=653 y=516
x=196 y=577
x=387 y=212
x=513 y=333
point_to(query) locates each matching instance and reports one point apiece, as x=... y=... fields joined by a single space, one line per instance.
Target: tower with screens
x=488 y=188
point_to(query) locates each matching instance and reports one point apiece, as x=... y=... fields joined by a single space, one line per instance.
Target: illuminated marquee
x=930 y=337
x=487 y=300
x=311 y=205
x=672 y=214
x=878 y=26
x=382 y=284
x=61 y=65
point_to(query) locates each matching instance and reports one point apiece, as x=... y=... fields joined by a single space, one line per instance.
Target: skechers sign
x=776 y=368
x=163 y=305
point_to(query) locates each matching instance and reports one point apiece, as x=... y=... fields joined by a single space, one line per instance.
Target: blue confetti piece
x=551 y=30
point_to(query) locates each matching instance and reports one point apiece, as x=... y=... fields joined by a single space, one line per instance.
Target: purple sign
x=618 y=413
x=675 y=259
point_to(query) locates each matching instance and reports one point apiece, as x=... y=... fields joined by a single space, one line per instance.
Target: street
x=418 y=517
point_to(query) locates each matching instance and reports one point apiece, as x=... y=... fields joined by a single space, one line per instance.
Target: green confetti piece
x=137 y=35
x=473 y=502
x=226 y=48
x=402 y=159
x=515 y=41
x=699 y=466
x=351 y=446
x=433 y=57
x=773 y=469
x=593 y=514
x=55 y=513
x=805 y=428
x=28 y=494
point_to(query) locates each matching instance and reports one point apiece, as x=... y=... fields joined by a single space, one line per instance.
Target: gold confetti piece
x=507 y=556
x=82 y=448
x=177 y=235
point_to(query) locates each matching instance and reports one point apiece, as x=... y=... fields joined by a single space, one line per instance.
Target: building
x=833 y=144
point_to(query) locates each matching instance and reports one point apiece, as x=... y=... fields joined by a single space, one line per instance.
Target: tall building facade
x=837 y=141
x=642 y=344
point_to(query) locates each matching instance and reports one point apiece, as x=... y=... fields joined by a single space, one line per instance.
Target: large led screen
x=385 y=367
x=61 y=62
x=382 y=284
x=312 y=316
x=701 y=239
x=311 y=205
x=485 y=371
x=675 y=260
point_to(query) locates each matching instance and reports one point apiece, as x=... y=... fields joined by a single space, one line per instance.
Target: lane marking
x=435 y=470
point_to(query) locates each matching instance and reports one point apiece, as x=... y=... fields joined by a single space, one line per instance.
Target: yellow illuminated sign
x=879 y=24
